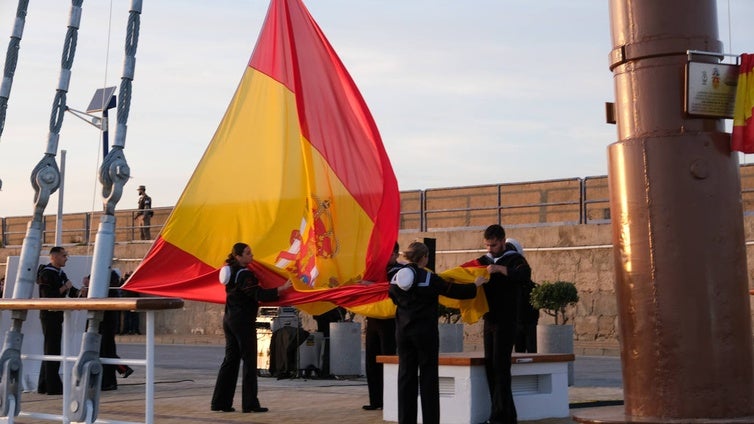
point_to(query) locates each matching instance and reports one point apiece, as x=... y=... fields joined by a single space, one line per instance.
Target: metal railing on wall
x=81 y=228
x=570 y=201
x=536 y=203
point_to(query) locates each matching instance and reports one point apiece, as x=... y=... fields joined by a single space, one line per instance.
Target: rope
x=115 y=172
x=69 y=52
x=132 y=41
x=45 y=177
x=11 y=59
x=97 y=157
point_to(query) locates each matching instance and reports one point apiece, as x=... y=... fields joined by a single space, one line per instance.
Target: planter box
x=553 y=338
x=345 y=348
x=451 y=337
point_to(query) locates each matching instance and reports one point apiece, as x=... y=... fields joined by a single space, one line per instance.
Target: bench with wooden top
x=539 y=383
x=94 y=304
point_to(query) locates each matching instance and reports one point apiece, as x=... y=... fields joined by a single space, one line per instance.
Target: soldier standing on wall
x=144 y=216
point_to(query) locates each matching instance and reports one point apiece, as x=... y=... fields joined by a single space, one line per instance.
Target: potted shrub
x=450 y=329
x=554 y=299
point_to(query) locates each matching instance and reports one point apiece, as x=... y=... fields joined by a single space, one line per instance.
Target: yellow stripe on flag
x=292 y=190
x=472 y=310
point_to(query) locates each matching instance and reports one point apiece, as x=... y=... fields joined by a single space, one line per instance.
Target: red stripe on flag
x=346 y=296
x=294 y=51
x=193 y=279
x=474 y=263
x=334 y=117
x=170 y=271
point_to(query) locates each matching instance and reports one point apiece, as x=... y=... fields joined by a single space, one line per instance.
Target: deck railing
x=69 y=305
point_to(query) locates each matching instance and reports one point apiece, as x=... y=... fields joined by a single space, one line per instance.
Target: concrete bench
x=540 y=386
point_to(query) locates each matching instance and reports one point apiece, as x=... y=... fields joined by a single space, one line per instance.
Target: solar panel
x=103 y=99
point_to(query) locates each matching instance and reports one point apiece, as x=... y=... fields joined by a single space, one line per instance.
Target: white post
x=66 y=349
x=59 y=218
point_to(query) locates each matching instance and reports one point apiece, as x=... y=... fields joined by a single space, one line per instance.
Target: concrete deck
x=185 y=377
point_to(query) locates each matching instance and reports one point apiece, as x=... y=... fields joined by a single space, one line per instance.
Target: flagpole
x=679 y=250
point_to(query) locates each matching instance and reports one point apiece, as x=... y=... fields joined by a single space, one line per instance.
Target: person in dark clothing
x=528 y=318
x=323 y=321
x=284 y=346
x=243 y=294
x=121 y=327
x=131 y=321
x=53 y=283
x=144 y=215
x=508 y=272
x=415 y=291
x=528 y=315
x=379 y=339
x=107 y=330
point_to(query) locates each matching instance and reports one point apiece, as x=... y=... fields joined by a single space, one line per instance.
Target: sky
x=463 y=92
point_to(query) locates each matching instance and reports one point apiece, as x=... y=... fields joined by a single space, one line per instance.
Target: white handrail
x=68 y=360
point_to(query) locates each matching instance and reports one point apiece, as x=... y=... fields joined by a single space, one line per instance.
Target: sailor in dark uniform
x=379 y=339
x=415 y=290
x=508 y=272
x=53 y=283
x=243 y=294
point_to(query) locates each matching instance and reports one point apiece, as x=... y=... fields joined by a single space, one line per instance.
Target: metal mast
x=113 y=174
x=680 y=257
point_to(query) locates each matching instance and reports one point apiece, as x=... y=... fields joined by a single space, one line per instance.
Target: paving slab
x=185 y=378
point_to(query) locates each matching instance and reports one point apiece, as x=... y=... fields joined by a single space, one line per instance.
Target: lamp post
x=103 y=100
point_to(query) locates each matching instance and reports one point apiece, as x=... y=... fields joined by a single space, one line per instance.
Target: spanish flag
x=298 y=171
x=742 y=138
x=471 y=309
